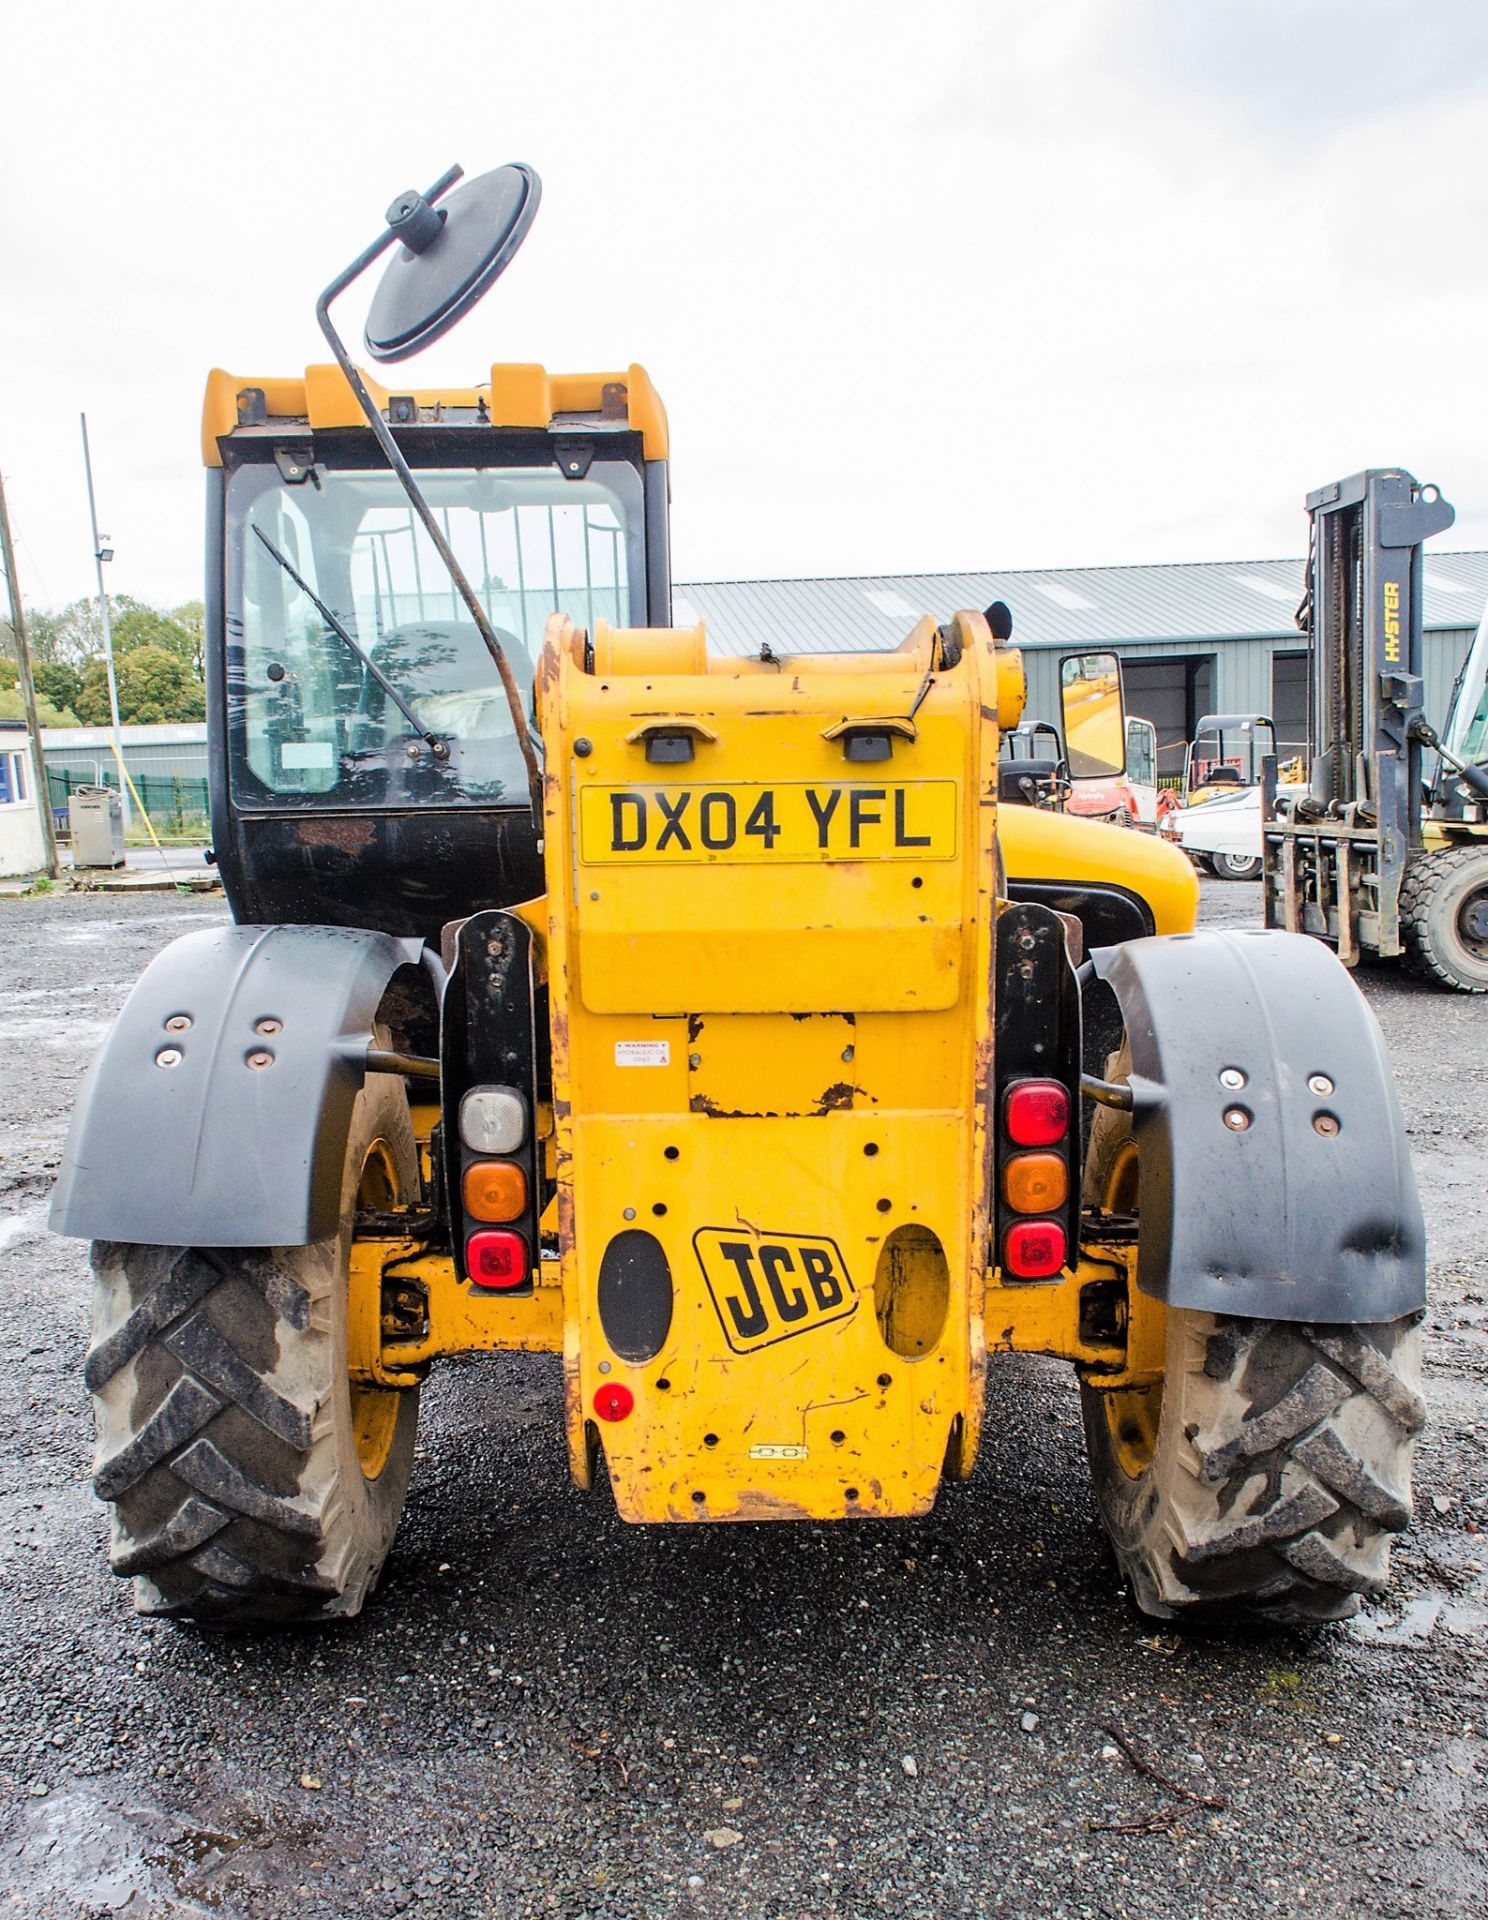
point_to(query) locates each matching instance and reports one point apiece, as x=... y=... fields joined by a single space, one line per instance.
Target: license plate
x=748 y=823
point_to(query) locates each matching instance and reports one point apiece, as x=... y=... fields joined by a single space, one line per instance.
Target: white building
x=22 y=849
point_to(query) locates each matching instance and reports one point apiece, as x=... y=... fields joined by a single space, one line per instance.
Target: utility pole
x=100 y=554
x=28 y=690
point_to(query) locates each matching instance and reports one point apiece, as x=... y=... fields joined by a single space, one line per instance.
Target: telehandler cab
x=713 y=1027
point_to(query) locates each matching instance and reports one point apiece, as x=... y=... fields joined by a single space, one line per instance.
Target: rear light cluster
x=1034 y=1195
x=496 y=1180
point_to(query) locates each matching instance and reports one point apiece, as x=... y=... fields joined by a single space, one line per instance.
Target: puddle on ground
x=141 y=1861
x=1462 y=1614
x=44 y=1030
x=22 y=1226
x=33 y=996
x=74 y=1845
x=92 y=931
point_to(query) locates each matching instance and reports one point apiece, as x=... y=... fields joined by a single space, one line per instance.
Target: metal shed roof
x=1052 y=607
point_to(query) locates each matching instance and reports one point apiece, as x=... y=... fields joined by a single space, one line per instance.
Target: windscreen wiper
x=436 y=746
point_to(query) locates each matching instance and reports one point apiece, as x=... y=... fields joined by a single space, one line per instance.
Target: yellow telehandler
x=703 y=1020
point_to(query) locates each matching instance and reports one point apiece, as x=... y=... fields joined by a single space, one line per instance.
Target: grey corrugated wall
x=1242 y=670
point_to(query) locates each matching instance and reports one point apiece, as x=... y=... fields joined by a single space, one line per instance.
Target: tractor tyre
x=251 y=1482
x=1444 y=917
x=1267 y=1473
x=1236 y=866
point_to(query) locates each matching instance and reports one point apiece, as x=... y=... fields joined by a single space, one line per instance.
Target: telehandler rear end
x=769 y=1072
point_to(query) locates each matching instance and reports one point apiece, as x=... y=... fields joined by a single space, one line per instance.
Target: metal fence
x=175 y=804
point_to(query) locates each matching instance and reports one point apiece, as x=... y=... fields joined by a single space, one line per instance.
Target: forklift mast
x=1362 y=613
x=1364 y=599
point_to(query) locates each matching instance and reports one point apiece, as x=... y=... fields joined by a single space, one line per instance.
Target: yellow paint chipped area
x=757 y=1356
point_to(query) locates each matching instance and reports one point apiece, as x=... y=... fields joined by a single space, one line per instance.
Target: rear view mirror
x=1094 y=714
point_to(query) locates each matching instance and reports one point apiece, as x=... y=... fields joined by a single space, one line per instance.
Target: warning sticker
x=643 y=1053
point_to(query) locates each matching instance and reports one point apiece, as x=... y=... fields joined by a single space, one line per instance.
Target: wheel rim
x=374 y=1410
x=1132 y=1414
x=1472 y=923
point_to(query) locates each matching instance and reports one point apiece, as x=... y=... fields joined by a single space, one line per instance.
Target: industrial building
x=1200 y=637
x=1207 y=636
x=167 y=763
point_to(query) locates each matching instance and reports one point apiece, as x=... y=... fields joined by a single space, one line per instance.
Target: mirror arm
x=394 y=456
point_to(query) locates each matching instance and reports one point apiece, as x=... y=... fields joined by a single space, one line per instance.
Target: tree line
x=157 y=664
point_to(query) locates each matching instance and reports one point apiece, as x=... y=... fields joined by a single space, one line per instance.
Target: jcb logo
x=769 y=1287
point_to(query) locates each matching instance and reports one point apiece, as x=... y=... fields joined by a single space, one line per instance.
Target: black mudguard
x=211 y=1151
x=1275 y=1219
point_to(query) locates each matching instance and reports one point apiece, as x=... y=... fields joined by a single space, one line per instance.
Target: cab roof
x=514 y=396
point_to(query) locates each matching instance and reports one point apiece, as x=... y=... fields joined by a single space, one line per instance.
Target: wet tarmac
x=545 y=1713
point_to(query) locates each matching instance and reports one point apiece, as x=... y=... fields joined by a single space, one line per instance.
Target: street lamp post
x=100 y=554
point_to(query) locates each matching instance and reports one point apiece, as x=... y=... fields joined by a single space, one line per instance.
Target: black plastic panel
x=1037 y=1008
x=488 y=1037
x=635 y=1295
x=1108 y=915
x=1308 y=1211
x=215 y=1151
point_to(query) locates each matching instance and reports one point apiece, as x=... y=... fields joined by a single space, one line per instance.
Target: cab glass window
x=309 y=719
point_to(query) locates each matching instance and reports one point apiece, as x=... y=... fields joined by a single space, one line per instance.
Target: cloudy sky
x=925 y=286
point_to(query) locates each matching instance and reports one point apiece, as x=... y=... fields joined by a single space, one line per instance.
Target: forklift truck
x=1370 y=856
x=704 y=1021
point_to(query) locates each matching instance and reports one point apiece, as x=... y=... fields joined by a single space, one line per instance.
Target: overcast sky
x=924 y=285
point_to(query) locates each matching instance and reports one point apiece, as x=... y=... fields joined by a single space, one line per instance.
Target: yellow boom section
x=1062 y=848
x=771 y=971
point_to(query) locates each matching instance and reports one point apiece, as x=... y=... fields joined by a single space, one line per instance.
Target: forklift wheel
x=251 y=1482
x=1266 y=1473
x=1444 y=916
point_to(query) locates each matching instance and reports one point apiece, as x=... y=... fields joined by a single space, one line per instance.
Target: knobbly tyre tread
x=224 y=1442
x=1282 y=1469
x=1428 y=946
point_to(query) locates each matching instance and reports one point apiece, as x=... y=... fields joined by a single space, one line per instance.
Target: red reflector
x=614 y=1402
x=498 y=1259
x=1034 y=1249
x=1037 y=1113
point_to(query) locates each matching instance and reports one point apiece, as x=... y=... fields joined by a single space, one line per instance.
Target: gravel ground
x=547 y=1713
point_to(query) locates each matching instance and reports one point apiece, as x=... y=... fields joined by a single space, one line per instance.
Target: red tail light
x=1036 y=1113
x=614 y=1401
x=1034 y=1249
x=498 y=1259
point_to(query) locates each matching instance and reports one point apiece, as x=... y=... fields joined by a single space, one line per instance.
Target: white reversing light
x=493 y=1120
